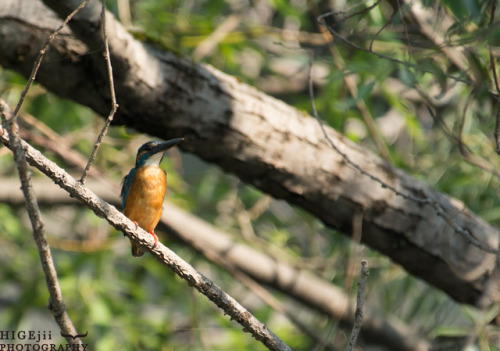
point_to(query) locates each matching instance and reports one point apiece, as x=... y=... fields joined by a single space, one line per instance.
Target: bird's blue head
x=152 y=152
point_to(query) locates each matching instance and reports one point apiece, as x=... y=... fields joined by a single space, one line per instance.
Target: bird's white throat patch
x=154 y=160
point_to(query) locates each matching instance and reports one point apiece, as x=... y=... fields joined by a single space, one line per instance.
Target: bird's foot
x=154 y=236
x=136 y=226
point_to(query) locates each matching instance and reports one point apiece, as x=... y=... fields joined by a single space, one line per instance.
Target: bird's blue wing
x=126 y=185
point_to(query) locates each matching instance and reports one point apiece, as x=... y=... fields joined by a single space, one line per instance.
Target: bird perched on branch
x=143 y=189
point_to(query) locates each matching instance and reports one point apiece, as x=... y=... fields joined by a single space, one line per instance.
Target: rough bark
x=262 y=140
x=184 y=270
x=218 y=247
x=301 y=285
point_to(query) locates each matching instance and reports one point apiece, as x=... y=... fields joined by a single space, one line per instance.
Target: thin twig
x=9 y=120
x=393 y=15
x=465 y=151
x=38 y=62
x=492 y=59
x=421 y=200
x=497 y=127
x=494 y=70
x=406 y=30
x=353 y=90
x=358 y=316
x=461 y=124
x=363 y=11
x=210 y=42
x=47 y=139
x=114 y=105
x=56 y=303
x=118 y=220
x=426 y=200
x=495 y=79
x=321 y=20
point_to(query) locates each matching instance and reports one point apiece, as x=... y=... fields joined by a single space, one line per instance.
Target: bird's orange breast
x=145 y=199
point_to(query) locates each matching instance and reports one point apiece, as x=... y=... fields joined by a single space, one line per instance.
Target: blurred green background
x=136 y=304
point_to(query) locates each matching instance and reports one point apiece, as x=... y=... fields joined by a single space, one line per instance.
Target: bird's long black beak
x=164 y=146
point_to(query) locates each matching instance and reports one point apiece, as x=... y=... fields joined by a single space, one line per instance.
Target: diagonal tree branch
x=307 y=288
x=118 y=220
x=300 y=284
x=262 y=140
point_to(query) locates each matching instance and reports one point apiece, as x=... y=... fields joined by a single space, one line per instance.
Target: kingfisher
x=144 y=188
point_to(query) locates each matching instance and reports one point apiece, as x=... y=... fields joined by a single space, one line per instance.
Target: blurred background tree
x=438 y=129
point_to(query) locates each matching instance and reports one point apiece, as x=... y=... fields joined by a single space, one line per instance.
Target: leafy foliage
x=135 y=304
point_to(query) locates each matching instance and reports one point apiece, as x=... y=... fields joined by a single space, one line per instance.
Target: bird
x=144 y=187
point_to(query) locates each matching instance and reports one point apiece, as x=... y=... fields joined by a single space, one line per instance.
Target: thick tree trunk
x=265 y=142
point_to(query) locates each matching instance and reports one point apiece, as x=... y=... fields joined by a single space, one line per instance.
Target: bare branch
x=497 y=127
x=298 y=283
x=495 y=79
x=358 y=319
x=211 y=41
x=114 y=105
x=118 y=220
x=221 y=260
x=308 y=288
x=221 y=248
x=38 y=61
